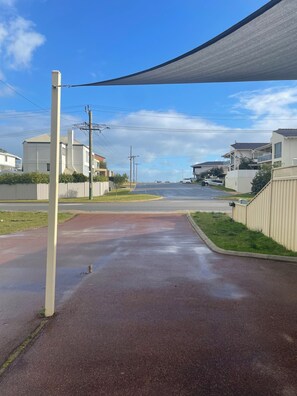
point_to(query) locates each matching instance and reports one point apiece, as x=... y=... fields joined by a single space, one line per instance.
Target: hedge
x=42 y=178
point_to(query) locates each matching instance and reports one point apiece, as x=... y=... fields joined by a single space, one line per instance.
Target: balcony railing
x=265 y=158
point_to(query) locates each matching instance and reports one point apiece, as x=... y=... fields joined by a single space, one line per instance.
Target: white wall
x=81 y=159
x=36 y=156
x=289 y=152
x=7 y=161
x=240 y=180
x=289 y=149
x=40 y=191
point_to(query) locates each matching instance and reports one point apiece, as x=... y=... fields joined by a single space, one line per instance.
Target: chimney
x=70 y=149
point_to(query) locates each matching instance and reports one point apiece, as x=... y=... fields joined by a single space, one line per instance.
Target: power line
x=21 y=95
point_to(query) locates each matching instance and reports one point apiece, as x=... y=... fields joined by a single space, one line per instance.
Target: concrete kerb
x=217 y=249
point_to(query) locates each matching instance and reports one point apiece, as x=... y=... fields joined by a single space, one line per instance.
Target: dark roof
x=247 y=146
x=210 y=163
x=287 y=132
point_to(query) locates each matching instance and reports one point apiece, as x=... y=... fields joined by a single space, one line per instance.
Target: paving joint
x=217 y=249
x=20 y=349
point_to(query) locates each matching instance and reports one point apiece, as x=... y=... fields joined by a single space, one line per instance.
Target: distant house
x=74 y=156
x=207 y=166
x=100 y=168
x=282 y=149
x=240 y=151
x=9 y=162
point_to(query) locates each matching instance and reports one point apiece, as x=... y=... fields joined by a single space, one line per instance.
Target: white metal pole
x=53 y=196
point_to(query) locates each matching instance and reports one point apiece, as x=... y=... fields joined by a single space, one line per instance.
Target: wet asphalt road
x=180 y=191
x=177 y=197
x=160 y=315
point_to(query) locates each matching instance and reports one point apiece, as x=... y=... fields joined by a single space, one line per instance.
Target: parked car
x=187 y=181
x=212 y=182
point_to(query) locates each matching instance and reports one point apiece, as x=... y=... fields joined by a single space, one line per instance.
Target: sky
x=170 y=127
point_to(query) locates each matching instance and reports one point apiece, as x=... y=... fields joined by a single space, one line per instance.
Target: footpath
x=162 y=314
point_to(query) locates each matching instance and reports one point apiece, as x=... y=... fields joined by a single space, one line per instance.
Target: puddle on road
x=205 y=272
x=228 y=291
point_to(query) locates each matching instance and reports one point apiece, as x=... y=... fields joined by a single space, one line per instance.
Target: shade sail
x=262 y=47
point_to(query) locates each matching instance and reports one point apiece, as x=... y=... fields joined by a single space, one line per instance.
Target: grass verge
x=114 y=196
x=230 y=235
x=123 y=195
x=11 y=222
x=238 y=196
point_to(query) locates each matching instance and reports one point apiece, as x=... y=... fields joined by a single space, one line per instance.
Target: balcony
x=265 y=158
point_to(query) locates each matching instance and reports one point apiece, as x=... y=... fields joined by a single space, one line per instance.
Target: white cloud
x=167 y=142
x=18 y=41
x=17 y=126
x=271 y=108
x=7 y=3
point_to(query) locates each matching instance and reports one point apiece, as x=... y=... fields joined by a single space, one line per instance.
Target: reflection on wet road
x=179 y=191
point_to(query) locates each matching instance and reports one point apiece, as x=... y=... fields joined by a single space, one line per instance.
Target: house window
x=278 y=150
x=6 y=158
x=48 y=167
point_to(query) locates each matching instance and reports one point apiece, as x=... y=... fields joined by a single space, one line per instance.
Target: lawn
x=122 y=195
x=11 y=222
x=114 y=196
x=230 y=235
x=238 y=196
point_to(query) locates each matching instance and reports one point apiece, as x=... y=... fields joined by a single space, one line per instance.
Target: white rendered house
x=9 y=162
x=74 y=156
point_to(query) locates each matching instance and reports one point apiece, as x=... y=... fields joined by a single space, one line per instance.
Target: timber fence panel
x=284 y=213
x=239 y=213
x=259 y=211
x=273 y=211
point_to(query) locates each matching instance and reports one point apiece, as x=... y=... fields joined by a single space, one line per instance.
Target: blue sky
x=170 y=127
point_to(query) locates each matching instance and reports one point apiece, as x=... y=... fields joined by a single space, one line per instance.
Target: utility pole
x=132 y=166
x=136 y=168
x=131 y=159
x=91 y=127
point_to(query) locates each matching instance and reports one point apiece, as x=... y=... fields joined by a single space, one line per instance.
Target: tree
x=246 y=163
x=119 y=180
x=217 y=172
x=262 y=177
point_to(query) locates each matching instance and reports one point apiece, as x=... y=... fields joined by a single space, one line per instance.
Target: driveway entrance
x=160 y=315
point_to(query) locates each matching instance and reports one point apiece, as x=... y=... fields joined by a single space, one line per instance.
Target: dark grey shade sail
x=262 y=47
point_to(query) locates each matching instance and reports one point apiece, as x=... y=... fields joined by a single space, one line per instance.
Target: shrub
x=24 y=178
x=262 y=177
x=79 y=177
x=100 y=178
x=65 y=178
x=119 y=180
